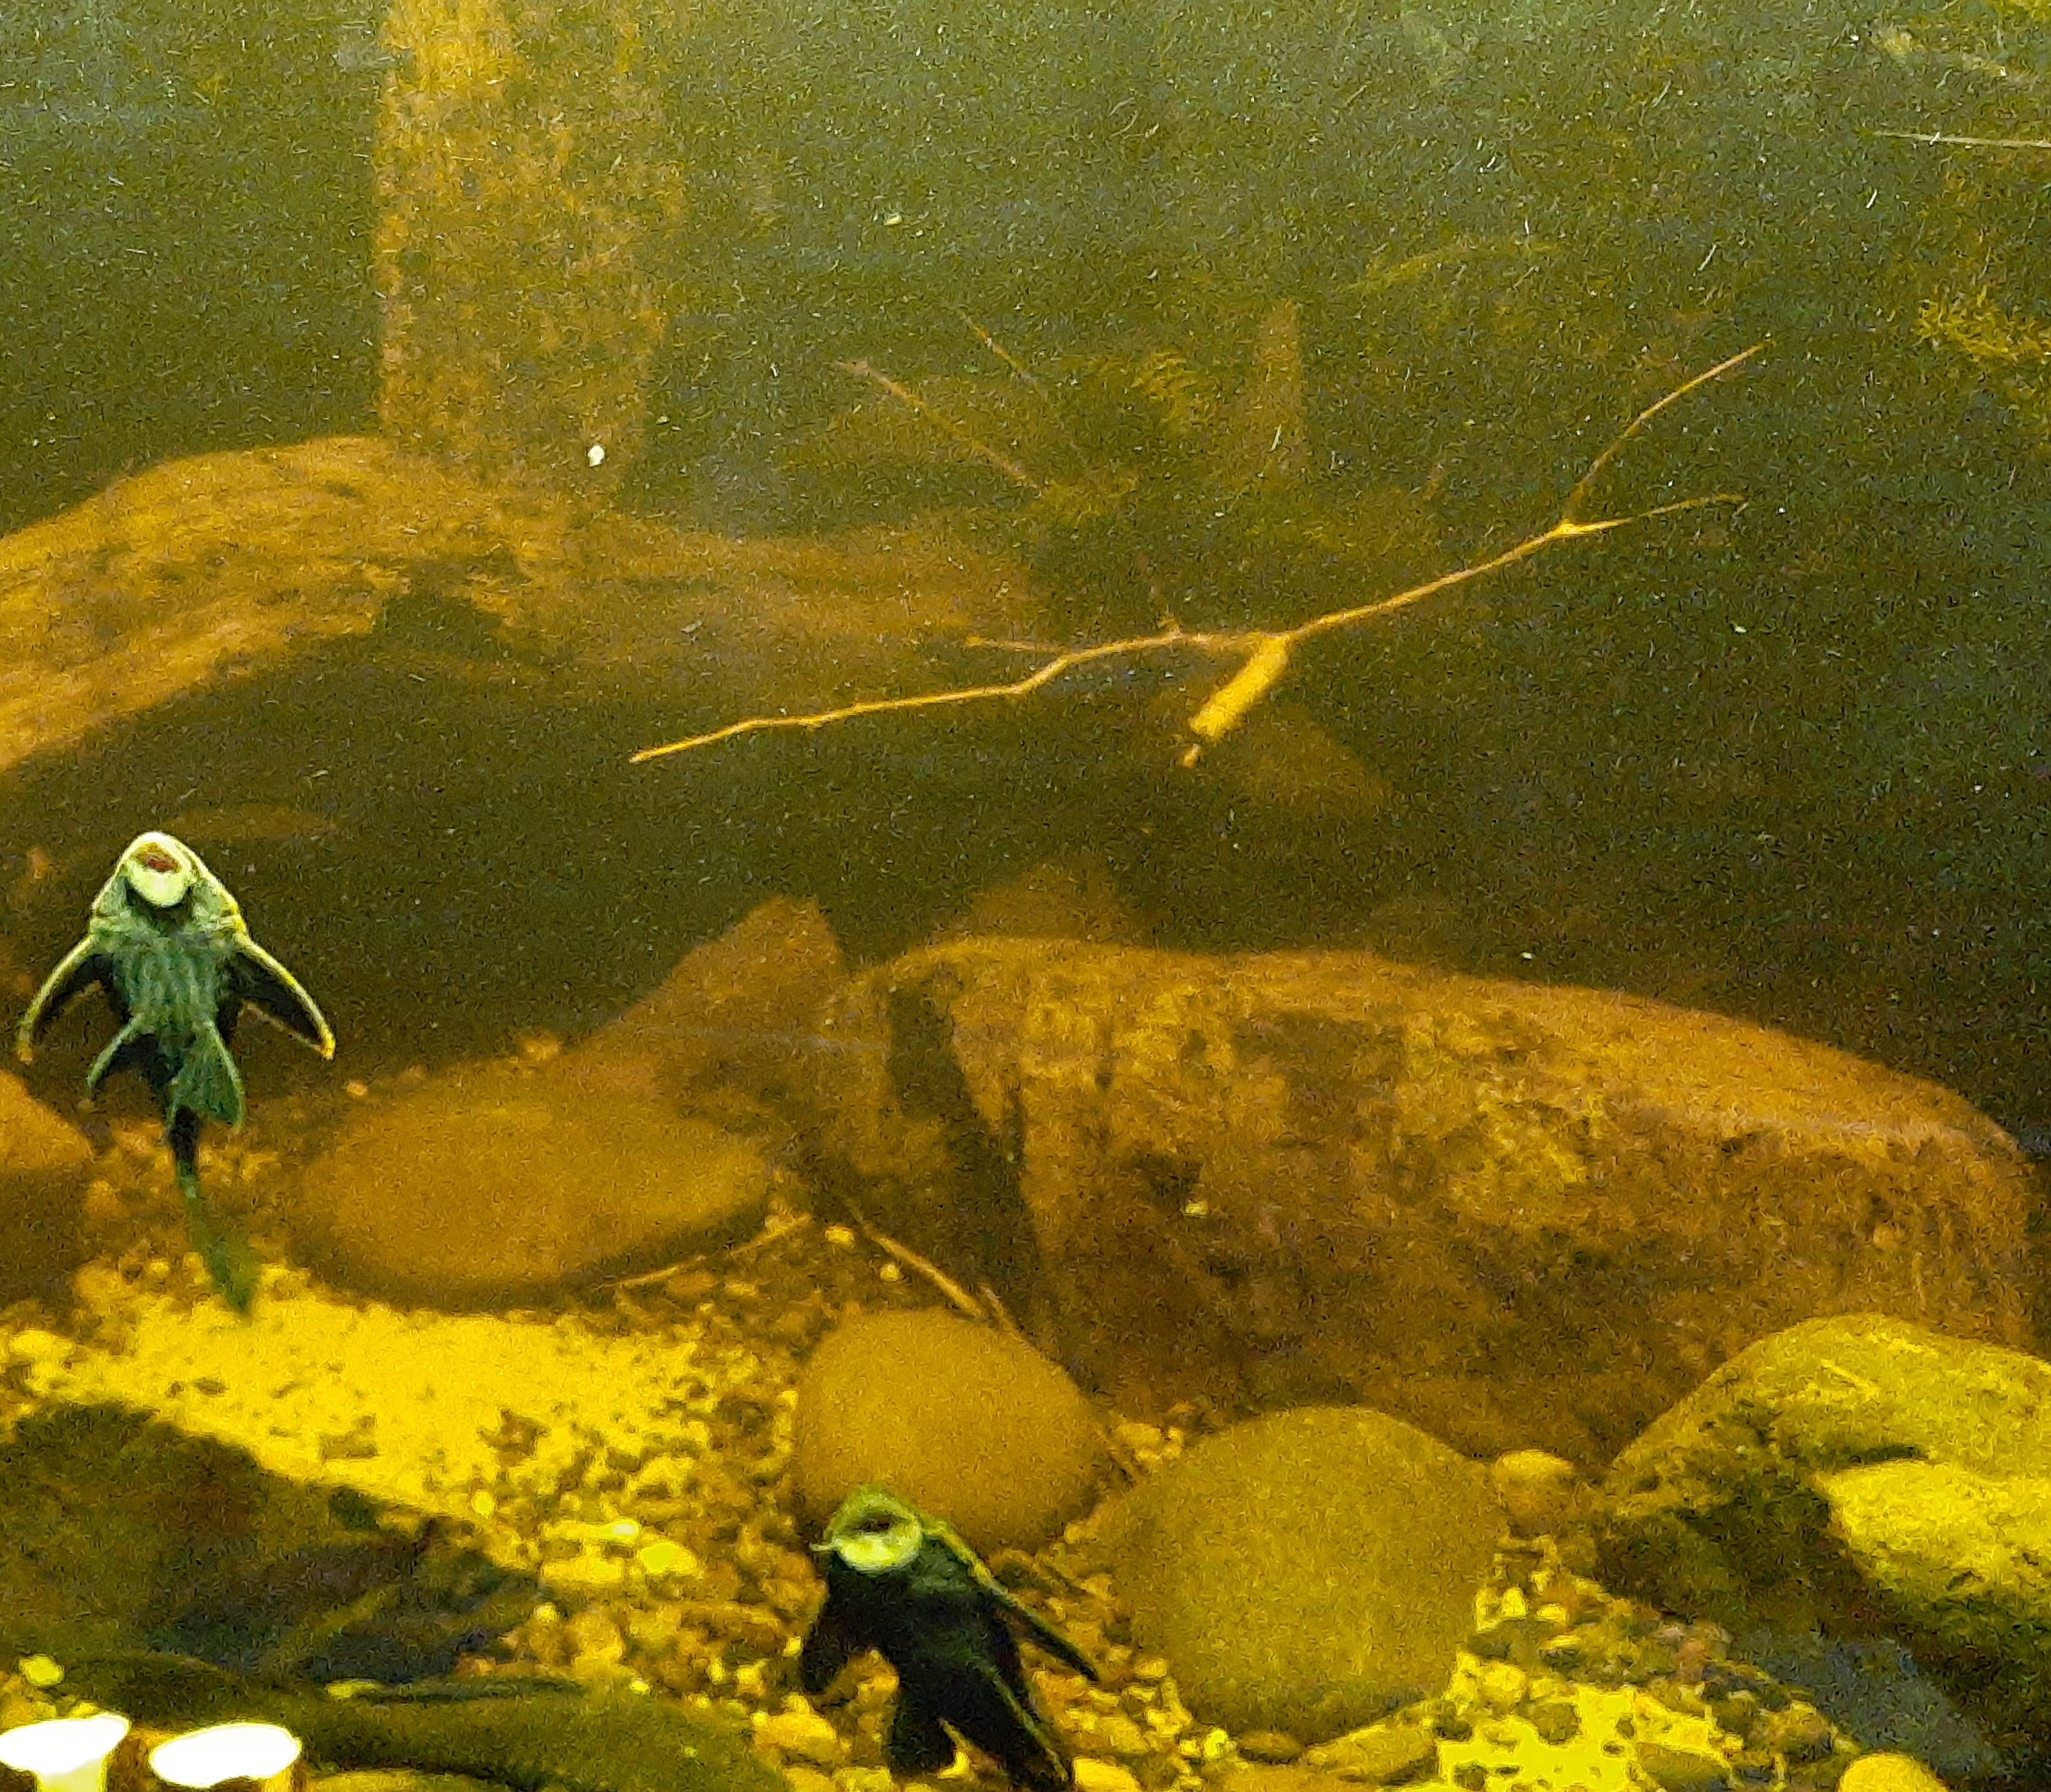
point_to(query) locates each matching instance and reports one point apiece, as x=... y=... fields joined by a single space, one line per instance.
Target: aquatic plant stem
x=1263 y=653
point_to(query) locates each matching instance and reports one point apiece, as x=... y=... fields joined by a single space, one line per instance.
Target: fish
x=167 y=943
x=904 y=1583
x=383 y=1607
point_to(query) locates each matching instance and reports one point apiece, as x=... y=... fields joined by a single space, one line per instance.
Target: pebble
x=1380 y=1754
x=1540 y=1492
x=1274 y=1746
x=1683 y=1769
x=37 y=1347
x=1093 y=1775
x=594 y=1639
x=1502 y=1686
x=585 y=1576
x=802 y=1735
x=1124 y=1738
x=662 y=1558
x=1890 y=1773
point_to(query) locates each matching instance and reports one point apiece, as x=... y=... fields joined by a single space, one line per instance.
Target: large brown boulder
x=1515 y=1214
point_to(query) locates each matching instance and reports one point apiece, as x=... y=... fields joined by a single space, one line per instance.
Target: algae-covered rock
x=972 y=1424
x=120 y=1535
x=731 y=1032
x=1853 y=1476
x=490 y=1185
x=1308 y=1571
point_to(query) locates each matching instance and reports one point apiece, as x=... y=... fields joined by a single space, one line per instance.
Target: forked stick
x=1265 y=651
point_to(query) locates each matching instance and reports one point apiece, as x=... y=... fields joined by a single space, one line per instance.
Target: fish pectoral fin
x=81 y=967
x=119 y=1053
x=918 y=1742
x=999 y=1716
x=275 y=994
x=1033 y=1628
x=206 y=1082
x=830 y=1645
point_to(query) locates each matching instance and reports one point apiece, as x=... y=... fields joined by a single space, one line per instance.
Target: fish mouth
x=160 y=868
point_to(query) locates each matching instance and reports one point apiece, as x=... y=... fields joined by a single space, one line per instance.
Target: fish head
x=160 y=868
x=874 y=1531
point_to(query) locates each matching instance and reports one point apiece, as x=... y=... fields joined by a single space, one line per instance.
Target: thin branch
x=1265 y=651
x=941 y=421
x=955 y=1295
x=1966 y=143
x=1599 y=464
x=1031 y=383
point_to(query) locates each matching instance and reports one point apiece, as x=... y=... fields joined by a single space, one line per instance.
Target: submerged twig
x=774 y=1233
x=941 y=421
x=1263 y=653
x=1946 y=138
x=1000 y=1314
x=955 y=1295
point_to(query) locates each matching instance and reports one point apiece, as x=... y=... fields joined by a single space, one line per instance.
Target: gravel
x=632 y=1447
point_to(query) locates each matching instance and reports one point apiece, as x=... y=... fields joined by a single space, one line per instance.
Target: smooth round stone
x=969 y=1423
x=486 y=1187
x=1308 y=1571
x=1683 y=1769
x=1889 y=1773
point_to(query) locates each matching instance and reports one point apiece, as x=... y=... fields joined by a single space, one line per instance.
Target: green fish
x=167 y=943
x=904 y=1584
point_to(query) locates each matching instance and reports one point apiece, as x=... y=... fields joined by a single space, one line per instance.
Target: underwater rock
x=732 y=1029
x=222 y=566
x=962 y=1419
x=1074 y=900
x=1517 y=1215
x=1542 y=1493
x=1889 y=1773
x=1308 y=1571
x=44 y=1164
x=1862 y=1479
x=491 y=1185
x=121 y=1535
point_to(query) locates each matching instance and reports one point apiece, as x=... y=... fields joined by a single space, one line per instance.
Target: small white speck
x=594 y=454
x=1737 y=628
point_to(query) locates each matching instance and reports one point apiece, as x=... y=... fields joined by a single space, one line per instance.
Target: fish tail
x=231 y=1263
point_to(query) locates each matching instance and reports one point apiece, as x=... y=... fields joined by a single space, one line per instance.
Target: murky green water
x=1785 y=760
